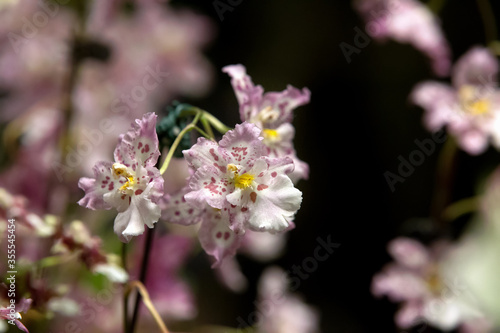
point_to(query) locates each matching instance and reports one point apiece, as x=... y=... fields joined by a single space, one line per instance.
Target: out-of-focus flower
x=230 y=275
x=16 y=207
x=76 y=238
x=236 y=177
x=272 y=112
x=11 y=313
x=31 y=171
x=264 y=247
x=407 y=21
x=428 y=292
x=470 y=108
x=474 y=261
x=144 y=73
x=132 y=185
x=284 y=312
x=96 y=311
x=35 y=56
x=31 y=230
x=141 y=74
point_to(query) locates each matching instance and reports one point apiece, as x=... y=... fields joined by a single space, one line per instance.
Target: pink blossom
x=144 y=73
x=23 y=306
x=132 y=185
x=418 y=279
x=234 y=187
x=236 y=177
x=286 y=312
x=34 y=60
x=272 y=112
x=407 y=21
x=470 y=107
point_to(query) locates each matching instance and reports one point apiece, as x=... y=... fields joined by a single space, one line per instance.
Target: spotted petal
x=96 y=188
x=285 y=102
x=247 y=94
x=216 y=238
x=205 y=152
x=208 y=185
x=139 y=146
x=179 y=211
x=242 y=145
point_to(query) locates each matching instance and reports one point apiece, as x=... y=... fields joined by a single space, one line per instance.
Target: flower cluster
x=245 y=181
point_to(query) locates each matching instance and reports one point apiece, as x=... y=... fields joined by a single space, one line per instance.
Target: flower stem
x=444 y=181
x=142 y=277
x=206 y=118
x=216 y=123
x=488 y=17
x=199 y=115
x=461 y=207
x=178 y=139
x=147 y=301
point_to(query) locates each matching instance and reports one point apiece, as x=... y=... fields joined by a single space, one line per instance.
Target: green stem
x=489 y=22
x=216 y=123
x=444 y=180
x=207 y=127
x=177 y=141
x=461 y=207
x=206 y=117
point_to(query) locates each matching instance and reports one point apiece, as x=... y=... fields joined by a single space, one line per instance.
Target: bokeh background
x=358 y=122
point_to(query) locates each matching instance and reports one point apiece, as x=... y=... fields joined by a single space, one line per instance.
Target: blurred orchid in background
x=470 y=107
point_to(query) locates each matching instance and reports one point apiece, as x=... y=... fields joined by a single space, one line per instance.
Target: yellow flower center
x=243 y=181
x=472 y=102
x=240 y=181
x=434 y=281
x=120 y=170
x=128 y=185
x=270 y=134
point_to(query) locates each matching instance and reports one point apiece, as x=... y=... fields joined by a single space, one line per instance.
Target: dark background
x=358 y=122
